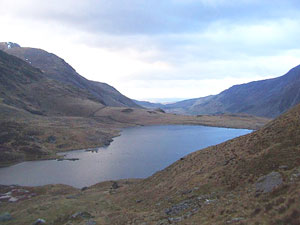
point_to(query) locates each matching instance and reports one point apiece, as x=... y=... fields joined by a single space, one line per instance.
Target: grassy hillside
x=253 y=179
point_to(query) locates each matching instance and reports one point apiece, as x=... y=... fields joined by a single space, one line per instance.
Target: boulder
x=269 y=182
x=39 y=222
x=51 y=139
x=83 y=215
x=115 y=185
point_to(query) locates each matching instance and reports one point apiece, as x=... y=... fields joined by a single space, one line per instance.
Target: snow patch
x=8 y=45
x=5 y=197
x=28 y=61
x=12 y=45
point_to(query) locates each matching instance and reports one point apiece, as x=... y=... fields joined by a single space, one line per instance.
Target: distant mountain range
x=149 y=105
x=266 y=98
x=57 y=69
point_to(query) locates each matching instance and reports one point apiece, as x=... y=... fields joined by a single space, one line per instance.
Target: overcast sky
x=161 y=49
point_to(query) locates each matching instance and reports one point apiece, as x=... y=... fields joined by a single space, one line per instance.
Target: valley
x=44 y=111
x=253 y=179
x=149 y=112
x=47 y=108
x=26 y=137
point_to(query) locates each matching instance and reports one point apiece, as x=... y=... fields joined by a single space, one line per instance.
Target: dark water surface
x=137 y=153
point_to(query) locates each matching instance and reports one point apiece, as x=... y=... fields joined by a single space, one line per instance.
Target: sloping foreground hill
x=266 y=98
x=57 y=69
x=253 y=179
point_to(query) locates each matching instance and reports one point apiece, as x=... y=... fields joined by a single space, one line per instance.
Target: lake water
x=137 y=153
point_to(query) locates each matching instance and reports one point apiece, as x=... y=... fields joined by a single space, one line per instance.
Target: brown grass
x=216 y=185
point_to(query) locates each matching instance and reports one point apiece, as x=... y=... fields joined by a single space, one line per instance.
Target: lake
x=137 y=153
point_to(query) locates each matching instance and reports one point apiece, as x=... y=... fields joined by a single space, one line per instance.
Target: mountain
x=252 y=179
x=183 y=107
x=266 y=98
x=28 y=88
x=149 y=105
x=40 y=116
x=57 y=69
x=34 y=108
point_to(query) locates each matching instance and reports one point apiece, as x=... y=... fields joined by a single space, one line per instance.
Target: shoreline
x=64 y=155
x=218 y=123
x=56 y=155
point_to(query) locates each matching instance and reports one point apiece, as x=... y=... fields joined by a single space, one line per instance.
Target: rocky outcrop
x=39 y=222
x=268 y=183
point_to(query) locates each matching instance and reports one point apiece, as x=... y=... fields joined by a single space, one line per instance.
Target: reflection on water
x=137 y=153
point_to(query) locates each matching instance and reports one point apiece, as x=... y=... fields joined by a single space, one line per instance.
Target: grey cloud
x=224 y=41
x=133 y=17
x=175 y=29
x=179 y=41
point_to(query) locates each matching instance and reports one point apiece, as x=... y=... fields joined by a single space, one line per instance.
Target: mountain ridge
x=265 y=98
x=56 y=68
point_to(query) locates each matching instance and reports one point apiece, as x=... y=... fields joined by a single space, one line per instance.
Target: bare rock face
x=269 y=182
